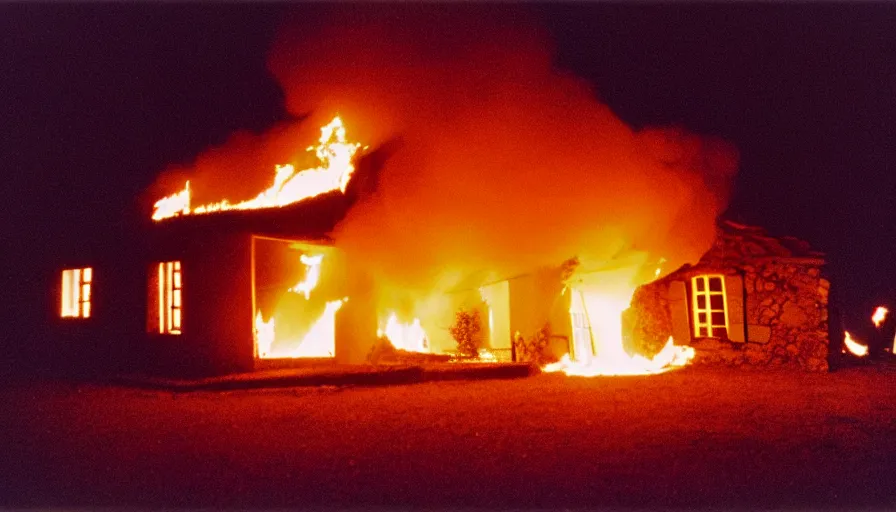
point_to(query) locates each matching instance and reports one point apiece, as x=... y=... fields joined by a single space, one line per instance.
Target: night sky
x=98 y=99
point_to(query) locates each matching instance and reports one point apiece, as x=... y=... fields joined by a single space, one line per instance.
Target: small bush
x=467 y=332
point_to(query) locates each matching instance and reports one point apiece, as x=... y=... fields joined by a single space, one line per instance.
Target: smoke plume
x=505 y=162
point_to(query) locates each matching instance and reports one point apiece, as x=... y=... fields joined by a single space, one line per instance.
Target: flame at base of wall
x=598 y=301
x=670 y=357
x=405 y=336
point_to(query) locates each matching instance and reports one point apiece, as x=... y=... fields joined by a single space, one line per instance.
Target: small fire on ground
x=334 y=172
x=404 y=336
x=879 y=315
x=411 y=337
x=853 y=346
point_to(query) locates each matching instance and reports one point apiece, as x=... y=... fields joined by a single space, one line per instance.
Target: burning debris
x=874 y=343
x=854 y=347
x=879 y=315
x=670 y=357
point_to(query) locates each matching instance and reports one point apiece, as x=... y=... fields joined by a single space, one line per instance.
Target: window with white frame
x=166 y=313
x=709 y=306
x=76 y=284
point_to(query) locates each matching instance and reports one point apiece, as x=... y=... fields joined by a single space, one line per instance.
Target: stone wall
x=777 y=300
x=787 y=314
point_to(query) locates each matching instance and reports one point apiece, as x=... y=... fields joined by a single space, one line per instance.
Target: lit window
x=709 y=306
x=169 y=298
x=76 y=292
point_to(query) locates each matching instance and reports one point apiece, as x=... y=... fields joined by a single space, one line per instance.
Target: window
x=169 y=298
x=76 y=292
x=709 y=306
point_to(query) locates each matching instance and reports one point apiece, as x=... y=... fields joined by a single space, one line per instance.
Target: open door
x=582 y=347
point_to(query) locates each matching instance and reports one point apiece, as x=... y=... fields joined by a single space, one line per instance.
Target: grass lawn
x=693 y=437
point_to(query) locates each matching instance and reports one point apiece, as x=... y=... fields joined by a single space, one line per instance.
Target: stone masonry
x=777 y=299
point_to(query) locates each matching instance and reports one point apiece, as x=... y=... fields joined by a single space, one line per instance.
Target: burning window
x=296 y=295
x=76 y=292
x=709 y=306
x=166 y=304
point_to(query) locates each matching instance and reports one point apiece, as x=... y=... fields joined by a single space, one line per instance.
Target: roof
x=741 y=242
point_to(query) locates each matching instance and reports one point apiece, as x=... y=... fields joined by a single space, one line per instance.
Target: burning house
x=260 y=283
x=221 y=287
x=496 y=167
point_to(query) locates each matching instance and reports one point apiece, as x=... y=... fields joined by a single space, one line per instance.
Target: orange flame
x=319 y=340
x=879 y=315
x=670 y=357
x=601 y=352
x=312 y=275
x=410 y=337
x=333 y=173
x=854 y=347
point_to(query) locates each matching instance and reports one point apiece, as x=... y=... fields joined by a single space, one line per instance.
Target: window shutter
x=678 y=307
x=734 y=286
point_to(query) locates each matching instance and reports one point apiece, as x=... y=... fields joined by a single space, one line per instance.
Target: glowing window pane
x=170 y=298
x=66 y=293
x=709 y=306
x=75 y=293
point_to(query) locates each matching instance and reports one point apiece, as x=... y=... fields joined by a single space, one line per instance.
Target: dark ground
x=687 y=438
